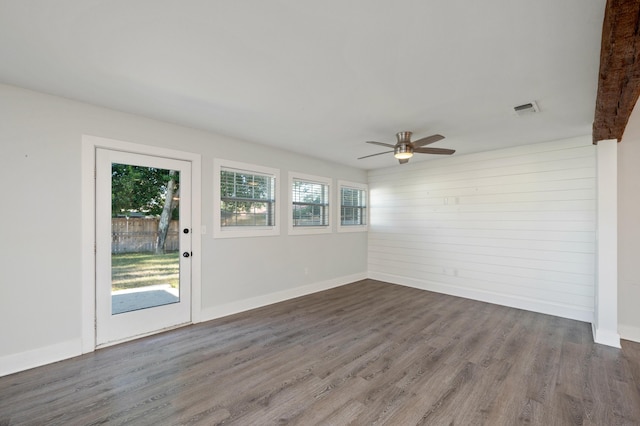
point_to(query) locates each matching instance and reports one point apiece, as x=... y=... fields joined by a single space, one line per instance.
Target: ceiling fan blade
x=441 y=151
x=373 y=155
x=382 y=144
x=426 y=141
x=405 y=161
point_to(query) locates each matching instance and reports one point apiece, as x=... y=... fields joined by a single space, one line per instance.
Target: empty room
x=259 y=213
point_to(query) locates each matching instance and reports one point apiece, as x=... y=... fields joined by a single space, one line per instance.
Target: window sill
x=353 y=228
x=235 y=232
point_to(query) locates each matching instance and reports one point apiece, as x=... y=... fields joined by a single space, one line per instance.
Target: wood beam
x=619 y=76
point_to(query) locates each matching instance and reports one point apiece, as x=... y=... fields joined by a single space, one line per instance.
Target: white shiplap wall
x=514 y=226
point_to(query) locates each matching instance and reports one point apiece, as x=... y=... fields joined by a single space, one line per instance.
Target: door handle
x=186 y=254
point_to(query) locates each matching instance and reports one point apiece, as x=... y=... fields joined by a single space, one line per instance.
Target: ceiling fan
x=404 y=148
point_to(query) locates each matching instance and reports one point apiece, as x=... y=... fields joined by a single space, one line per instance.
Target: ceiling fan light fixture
x=403 y=151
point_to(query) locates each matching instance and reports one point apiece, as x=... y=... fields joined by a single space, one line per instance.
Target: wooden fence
x=140 y=234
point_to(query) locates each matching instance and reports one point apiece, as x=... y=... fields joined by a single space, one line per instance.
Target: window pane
x=247 y=199
x=353 y=207
x=310 y=203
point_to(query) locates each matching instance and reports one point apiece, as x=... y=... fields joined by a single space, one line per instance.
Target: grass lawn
x=133 y=270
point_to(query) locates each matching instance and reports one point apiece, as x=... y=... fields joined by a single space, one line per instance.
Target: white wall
x=513 y=226
x=40 y=254
x=629 y=230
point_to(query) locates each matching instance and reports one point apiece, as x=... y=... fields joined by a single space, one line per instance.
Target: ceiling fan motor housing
x=403 y=137
x=403 y=149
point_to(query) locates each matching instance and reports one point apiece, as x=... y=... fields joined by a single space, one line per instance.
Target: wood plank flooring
x=366 y=353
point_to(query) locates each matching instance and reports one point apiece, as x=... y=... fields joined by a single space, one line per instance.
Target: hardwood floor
x=366 y=353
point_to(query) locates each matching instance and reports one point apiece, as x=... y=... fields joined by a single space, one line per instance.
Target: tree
x=170 y=198
x=138 y=190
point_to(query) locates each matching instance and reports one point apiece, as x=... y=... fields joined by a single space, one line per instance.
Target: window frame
x=317 y=229
x=351 y=185
x=220 y=231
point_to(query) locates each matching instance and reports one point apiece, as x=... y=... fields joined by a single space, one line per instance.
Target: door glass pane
x=144 y=237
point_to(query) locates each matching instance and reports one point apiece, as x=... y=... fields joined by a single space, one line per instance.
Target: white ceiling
x=320 y=77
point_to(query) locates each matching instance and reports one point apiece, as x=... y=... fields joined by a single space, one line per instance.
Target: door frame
x=88 y=227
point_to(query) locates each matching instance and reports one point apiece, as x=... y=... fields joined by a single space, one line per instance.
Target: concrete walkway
x=142 y=298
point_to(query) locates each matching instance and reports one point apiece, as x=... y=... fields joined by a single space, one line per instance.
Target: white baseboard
x=497 y=299
x=605 y=337
x=214 y=312
x=629 y=332
x=13 y=363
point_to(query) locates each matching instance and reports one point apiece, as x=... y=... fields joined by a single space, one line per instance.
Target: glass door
x=143 y=240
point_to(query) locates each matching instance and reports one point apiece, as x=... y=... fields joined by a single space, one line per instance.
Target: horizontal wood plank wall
x=514 y=226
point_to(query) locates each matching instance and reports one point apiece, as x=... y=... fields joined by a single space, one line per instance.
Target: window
x=246 y=205
x=309 y=204
x=353 y=207
x=246 y=199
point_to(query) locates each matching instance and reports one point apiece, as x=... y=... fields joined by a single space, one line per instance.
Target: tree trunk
x=165 y=217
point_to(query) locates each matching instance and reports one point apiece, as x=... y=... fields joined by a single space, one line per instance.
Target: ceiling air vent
x=526 y=109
